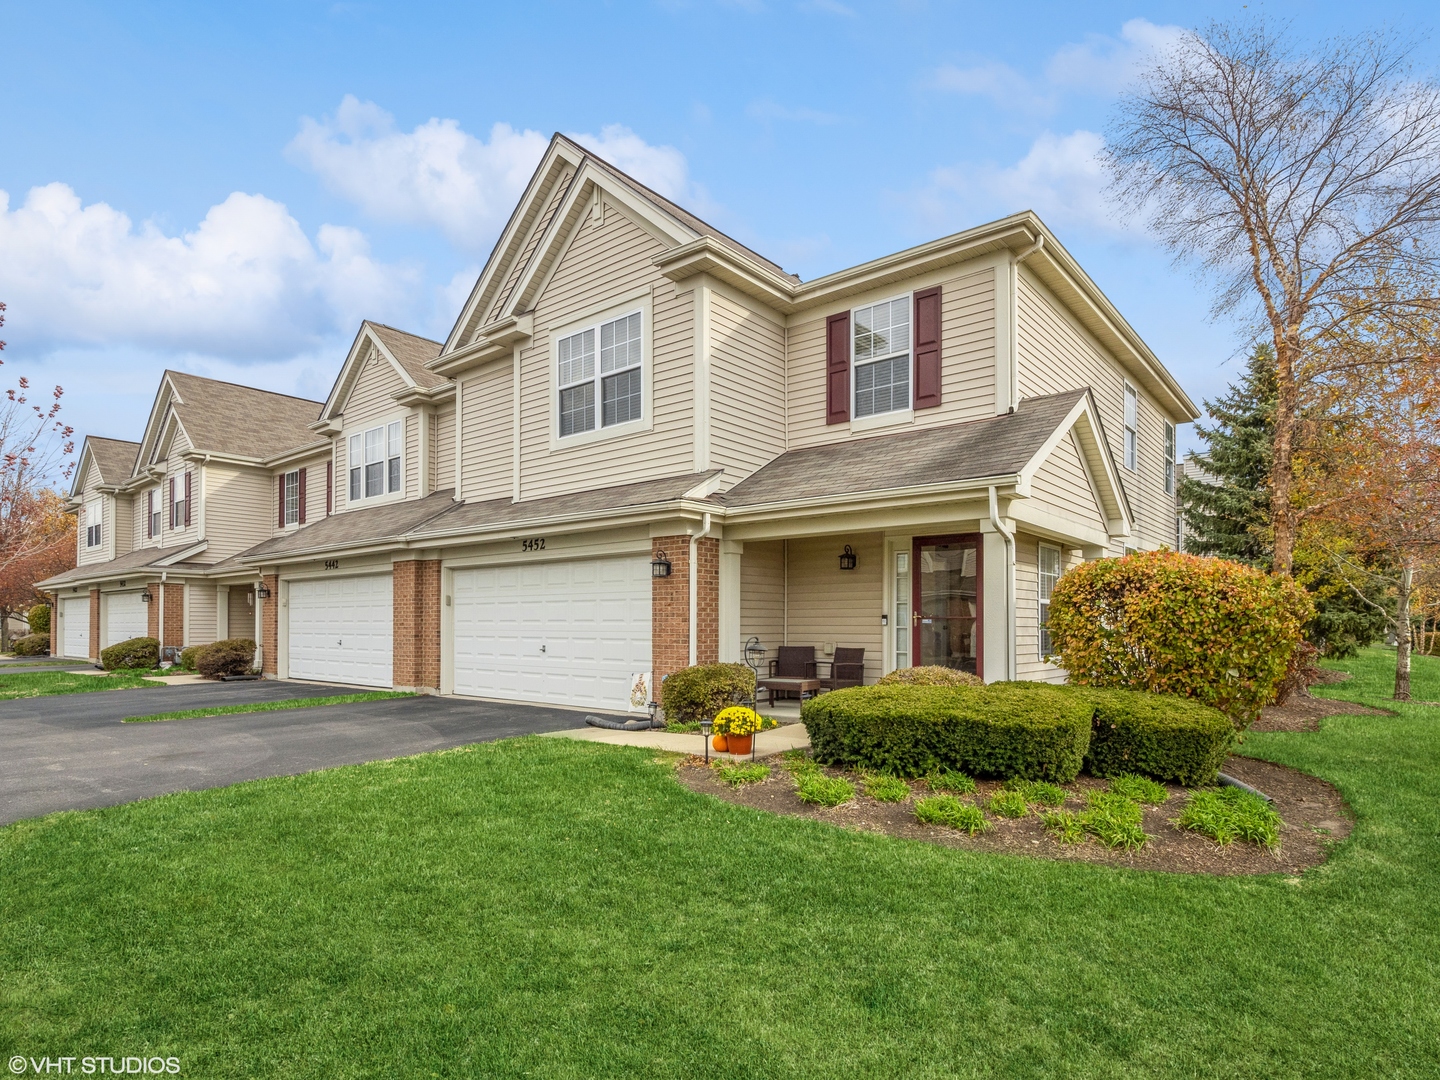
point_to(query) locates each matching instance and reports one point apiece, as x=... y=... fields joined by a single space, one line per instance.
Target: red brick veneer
x=416 y=656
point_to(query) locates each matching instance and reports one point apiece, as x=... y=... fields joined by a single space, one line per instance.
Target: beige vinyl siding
x=1028 y=664
x=314 y=492
x=488 y=412
x=1062 y=485
x=443 y=429
x=369 y=400
x=239 y=508
x=605 y=263
x=1056 y=354
x=967 y=362
x=762 y=594
x=411 y=465
x=84 y=556
x=124 y=525
x=537 y=232
x=843 y=607
x=200 y=614
x=747 y=389
x=141 y=506
x=176 y=467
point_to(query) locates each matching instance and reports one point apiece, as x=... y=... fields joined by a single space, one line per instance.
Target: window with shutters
x=177 y=505
x=376 y=460
x=292 y=498
x=94 y=524
x=1132 y=427
x=153 y=508
x=880 y=357
x=599 y=375
x=1049 y=575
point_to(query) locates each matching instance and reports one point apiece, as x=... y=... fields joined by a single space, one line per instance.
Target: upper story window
x=616 y=381
x=376 y=461
x=1049 y=575
x=180 y=502
x=1132 y=427
x=290 y=511
x=94 y=524
x=1169 y=458
x=153 y=512
x=880 y=356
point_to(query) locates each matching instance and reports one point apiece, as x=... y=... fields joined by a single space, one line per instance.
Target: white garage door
x=566 y=633
x=125 y=617
x=76 y=611
x=341 y=630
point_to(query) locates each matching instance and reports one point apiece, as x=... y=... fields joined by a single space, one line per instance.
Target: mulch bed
x=1304 y=713
x=1315 y=817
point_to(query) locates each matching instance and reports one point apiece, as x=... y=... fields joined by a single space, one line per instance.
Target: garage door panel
x=126 y=617
x=569 y=633
x=342 y=630
x=77 y=626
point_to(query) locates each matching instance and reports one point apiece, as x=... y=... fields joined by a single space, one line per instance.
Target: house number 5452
x=537 y=544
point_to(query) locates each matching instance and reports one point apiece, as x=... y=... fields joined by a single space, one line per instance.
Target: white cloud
x=1060 y=178
x=766 y=110
x=999 y=82
x=828 y=7
x=1103 y=64
x=245 y=282
x=441 y=176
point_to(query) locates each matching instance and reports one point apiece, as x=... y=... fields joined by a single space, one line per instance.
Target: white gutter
x=1008 y=535
x=695 y=539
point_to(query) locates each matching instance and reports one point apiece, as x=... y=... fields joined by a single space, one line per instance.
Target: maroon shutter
x=302 y=497
x=173 y=522
x=280 y=487
x=150 y=513
x=187 y=498
x=837 y=368
x=927 y=348
x=329 y=488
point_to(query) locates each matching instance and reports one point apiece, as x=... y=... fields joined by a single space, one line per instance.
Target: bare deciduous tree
x=1299 y=181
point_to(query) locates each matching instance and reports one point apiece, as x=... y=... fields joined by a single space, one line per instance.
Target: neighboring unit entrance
x=240 y=612
x=564 y=633
x=341 y=630
x=126 y=617
x=946 y=595
x=76 y=611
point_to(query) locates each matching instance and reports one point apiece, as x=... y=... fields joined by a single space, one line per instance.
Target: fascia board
x=706 y=255
x=587 y=521
x=179 y=556
x=350 y=371
x=1048 y=447
x=300 y=453
x=884 y=498
x=1050 y=524
x=421 y=396
x=164 y=394
x=77 y=484
x=1098 y=463
x=495 y=342
x=384 y=351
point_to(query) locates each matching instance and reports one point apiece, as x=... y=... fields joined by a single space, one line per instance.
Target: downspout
x=1008 y=536
x=161 y=650
x=695 y=539
x=1012 y=392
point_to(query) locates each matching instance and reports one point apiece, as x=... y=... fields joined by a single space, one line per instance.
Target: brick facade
x=670 y=606
x=95 y=624
x=416 y=664
x=270 y=624
x=152 y=612
x=174 y=615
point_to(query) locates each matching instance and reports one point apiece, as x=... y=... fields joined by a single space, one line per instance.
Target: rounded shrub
x=188 y=655
x=699 y=693
x=32 y=645
x=1156 y=735
x=135 y=654
x=1171 y=623
x=929 y=675
x=233 y=656
x=39 y=619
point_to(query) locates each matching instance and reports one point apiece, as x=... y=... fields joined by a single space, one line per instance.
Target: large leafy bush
x=39 y=619
x=1034 y=732
x=134 y=654
x=233 y=656
x=1169 y=738
x=32 y=645
x=699 y=693
x=1170 y=623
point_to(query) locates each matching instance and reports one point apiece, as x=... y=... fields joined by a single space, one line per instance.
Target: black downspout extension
x=1230 y=781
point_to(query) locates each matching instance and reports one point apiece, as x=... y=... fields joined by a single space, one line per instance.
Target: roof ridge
x=407 y=333
x=244 y=386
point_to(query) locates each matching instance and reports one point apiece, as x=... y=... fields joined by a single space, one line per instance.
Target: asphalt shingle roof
x=138 y=559
x=226 y=418
x=114 y=457
x=412 y=351
x=372 y=524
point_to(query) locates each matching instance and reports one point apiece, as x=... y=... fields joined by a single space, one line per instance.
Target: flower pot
x=720 y=742
x=739 y=744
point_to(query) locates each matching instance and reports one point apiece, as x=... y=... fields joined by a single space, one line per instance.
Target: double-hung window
x=1169 y=458
x=880 y=356
x=292 y=498
x=376 y=461
x=153 y=508
x=94 y=525
x=177 y=505
x=1132 y=427
x=615 y=382
x=1049 y=575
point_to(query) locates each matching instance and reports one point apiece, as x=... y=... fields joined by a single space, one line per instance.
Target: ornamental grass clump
x=736 y=775
x=1229 y=814
x=883 y=788
x=1065 y=824
x=1009 y=804
x=1140 y=789
x=1114 y=820
x=1037 y=791
x=956 y=783
x=1203 y=628
x=816 y=788
x=949 y=811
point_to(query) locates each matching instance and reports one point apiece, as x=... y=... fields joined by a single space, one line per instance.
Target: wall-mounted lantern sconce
x=847 y=559
x=262 y=592
x=146 y=597
x=660 y=565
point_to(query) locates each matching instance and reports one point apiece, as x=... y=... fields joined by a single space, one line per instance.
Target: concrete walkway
x=774 y=741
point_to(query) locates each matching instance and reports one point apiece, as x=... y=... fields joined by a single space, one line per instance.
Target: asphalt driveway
x=71 y=752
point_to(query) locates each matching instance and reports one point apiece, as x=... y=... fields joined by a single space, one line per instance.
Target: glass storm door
x=946 y=615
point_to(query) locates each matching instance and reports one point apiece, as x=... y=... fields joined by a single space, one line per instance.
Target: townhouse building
x=642 y=446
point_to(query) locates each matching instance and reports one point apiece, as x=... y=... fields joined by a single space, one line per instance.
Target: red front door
x=946 y=603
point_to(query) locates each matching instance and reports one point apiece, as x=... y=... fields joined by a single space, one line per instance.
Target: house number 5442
x=332 y=564
x=537 y=544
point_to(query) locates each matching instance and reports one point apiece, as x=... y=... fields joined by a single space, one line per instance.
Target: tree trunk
x=1282 y=523
x=1402 y=636
x=5 y=630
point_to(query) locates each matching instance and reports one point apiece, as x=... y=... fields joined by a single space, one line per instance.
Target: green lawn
x=268 y=706
x=540 y=907
x=39 y=684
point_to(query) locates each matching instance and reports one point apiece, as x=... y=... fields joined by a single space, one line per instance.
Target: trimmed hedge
x=929 y=675
x=1158 y=735
x=137 y=653
x=233 y=656
x=1034 y=732
x=39 y=619
x=31 y=645
x=698 y=693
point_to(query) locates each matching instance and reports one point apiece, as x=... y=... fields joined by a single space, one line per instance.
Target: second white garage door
x=126 y=617
x=565 y=633
x=341 y=630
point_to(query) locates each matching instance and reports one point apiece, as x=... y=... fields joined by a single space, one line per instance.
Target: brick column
x=670 y=606
x=416 y=650
x=174 y=615
x=707 y=601
x=152 y=612
x=95 y=624
x=270 y=624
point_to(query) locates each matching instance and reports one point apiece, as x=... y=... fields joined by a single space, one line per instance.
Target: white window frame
x=637 y=304
x=387 y=461
x=290 y=486
x=94 y=530
x=1132 y=428
x=890 y=416
x=1169 y=458
x=157 y=516
x=1043 y=593
x=177 y=508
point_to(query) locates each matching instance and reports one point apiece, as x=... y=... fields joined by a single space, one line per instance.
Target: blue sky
x=229 y=189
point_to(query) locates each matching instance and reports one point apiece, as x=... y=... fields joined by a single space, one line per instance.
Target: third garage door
x=341 y=630
x=566 y=633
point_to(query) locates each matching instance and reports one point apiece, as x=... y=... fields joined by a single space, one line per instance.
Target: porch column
x=270 y=625
x=415 y=663
x=998 y=615
x=731 y=647
x=670 y=605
